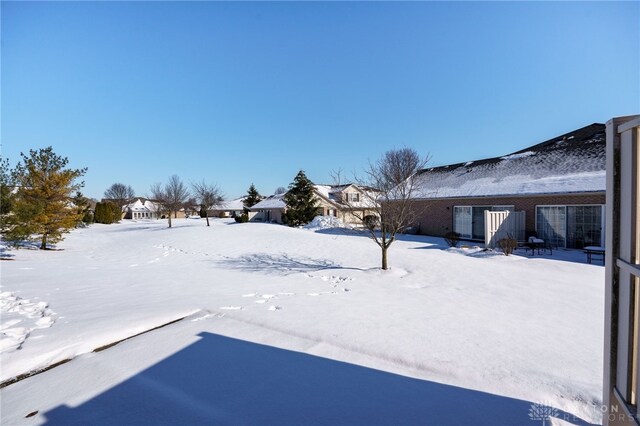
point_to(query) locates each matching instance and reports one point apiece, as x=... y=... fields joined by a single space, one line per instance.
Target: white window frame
x=566 y=216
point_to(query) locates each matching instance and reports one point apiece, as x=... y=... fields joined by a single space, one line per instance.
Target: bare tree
x=160 y=199
x=207 y=195
x=386 y=202
x=120 y=194
x=170 y=197
x=177 y=193
x=280 y=190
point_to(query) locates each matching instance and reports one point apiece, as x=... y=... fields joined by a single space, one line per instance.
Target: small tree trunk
x=169 y=219
x=206 y=215
x=43 y=244
x=175 y=214
x=384 y=258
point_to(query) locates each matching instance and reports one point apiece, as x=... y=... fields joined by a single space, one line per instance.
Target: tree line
x=40 y=198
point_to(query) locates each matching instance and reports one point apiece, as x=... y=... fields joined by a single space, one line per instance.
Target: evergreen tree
x=6 y=195
x=83 y=206
x=43 y=209
x=253 y=197
x=98 y=214
x=300 y=201
x=6 y=187
x=107 y=213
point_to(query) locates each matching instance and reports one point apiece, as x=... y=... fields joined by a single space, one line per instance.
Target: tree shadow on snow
x=280 y=264
x=223 y=381
x=358 y=232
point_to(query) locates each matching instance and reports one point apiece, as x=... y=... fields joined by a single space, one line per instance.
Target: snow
x=325 y=222
x=236 y=204
x=272 y=202
x=519 y=155
x=286 y=326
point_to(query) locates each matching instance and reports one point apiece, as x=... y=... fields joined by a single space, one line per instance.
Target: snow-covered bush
x=325 y=222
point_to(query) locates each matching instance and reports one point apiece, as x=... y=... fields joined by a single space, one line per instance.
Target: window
x=584 y=226
x=478 y=222
x=353 y=197
x=570 y=226
x=551 y=224
x=462 y=221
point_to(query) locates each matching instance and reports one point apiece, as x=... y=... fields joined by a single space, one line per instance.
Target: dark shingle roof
x=570 y=163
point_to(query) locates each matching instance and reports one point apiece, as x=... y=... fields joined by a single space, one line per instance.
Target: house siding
x=436 y=215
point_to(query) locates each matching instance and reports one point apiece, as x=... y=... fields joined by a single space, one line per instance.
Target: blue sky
x=236 y=93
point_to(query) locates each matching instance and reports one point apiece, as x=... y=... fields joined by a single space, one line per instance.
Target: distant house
x=142 y=208
x=271 y=209
x=229 y=208
x=331 y=201
x=559 y=184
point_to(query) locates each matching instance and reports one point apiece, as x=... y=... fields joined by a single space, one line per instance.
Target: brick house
x=559 y=184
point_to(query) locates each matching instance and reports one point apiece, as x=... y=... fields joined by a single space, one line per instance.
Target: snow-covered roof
x=141 y=206
x=571 y=163
x=231 y=205
x=271 y=202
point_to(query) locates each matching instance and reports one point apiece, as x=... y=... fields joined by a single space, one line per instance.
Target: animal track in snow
x=19 y=317
x=334 y=281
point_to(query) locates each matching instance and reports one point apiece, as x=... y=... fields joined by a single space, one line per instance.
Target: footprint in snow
x=231 y=308
x=275 y=308
x=19 y=317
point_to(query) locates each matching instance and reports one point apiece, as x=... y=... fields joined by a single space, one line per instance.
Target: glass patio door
x=584 y=226
x=551 y=224
x=462 y=222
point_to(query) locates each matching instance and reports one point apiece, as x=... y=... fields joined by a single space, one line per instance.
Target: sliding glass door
x=570 y=226
x=551 y=224
x=584 y=226
x=462 y=221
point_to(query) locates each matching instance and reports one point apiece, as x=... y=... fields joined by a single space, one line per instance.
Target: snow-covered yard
x=295 y=326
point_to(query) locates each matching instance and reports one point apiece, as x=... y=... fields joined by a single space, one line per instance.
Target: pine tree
x=83 y=206
x=43 y=209
x=253 y=197
x=300 y=201
x=107 y=213
x=6 y=187
x=6 y=194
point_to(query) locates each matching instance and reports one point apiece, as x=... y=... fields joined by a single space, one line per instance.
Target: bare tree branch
x=207 y=195
x=120 y=194
x=388 y=189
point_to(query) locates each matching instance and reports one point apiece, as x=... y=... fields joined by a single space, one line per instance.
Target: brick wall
x=436 y=217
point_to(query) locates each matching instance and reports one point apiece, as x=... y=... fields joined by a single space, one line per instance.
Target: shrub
x=507 y=245
x=107 y=213
x=243 y=218
x=452 y=238
x=371 y=221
